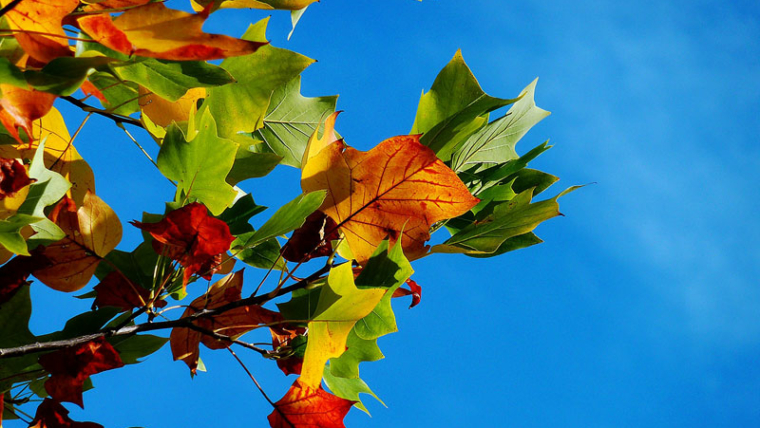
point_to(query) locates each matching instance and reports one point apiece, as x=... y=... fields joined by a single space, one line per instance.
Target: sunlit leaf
x=39 y=27
x=309 y=407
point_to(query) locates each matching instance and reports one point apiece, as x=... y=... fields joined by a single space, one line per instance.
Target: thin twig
x=250 y=375
x=9 y=7
x=113 y=116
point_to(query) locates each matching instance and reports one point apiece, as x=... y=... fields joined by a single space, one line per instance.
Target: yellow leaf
x=163 y=112
x=39 y=28
x=400 y=186
x=255 y=4
x=340 y=306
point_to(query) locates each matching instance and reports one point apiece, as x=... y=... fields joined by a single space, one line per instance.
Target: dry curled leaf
x=70 y=367
x=155 y=31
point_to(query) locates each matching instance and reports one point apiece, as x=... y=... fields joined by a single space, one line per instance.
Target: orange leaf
x=233 y=323
x=37 y=27
x=91 y=233
x=50 y=414
x=191 y=236
x=113 y=5
x=70 y=367
x=153 y=30
x=91 y=90
x=398 y=185
x=304 y=407
x=20 y=107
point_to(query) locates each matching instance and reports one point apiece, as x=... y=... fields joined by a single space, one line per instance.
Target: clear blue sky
x=642 y=309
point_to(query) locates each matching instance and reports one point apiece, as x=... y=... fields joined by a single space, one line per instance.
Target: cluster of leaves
x=367 y=214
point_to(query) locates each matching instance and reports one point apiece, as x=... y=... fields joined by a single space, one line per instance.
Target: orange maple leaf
x=153 y=30
x=304 y=407
x=70 y=367
x=398 y=185
x=233 y=323
x=37 y=25
x=92 y=231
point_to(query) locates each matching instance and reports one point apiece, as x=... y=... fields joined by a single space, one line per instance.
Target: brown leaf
x=117 y=291
x=398 y=185
x=51 y=414
x=13 y=177
x=153 y=30
x=92 y=231
x=38 y=27
x=70 y=367
x=20 y=107
x=233 y=323
x=304 y=407
x=311 y=240
x=192 y=237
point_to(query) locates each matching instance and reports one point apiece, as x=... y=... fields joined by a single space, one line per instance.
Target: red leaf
x=309 y=241
x=91 y=90
x=414 y=290
x=117 y=291
x=192 y=237
x=304 y=407
x=13 y=177
x=20 y=107
x=51 y=414
x=282 y=336
x=70 y=367
x=14 y=274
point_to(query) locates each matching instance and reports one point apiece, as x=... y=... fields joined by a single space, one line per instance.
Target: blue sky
x=643 y=306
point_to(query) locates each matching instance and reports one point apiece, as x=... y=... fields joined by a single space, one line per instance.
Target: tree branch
x=115 y=117
x=186 y=322
x=9 y=7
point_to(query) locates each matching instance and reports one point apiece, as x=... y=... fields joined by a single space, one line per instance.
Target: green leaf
x=251 y=164
x=387 y=268
x=358 y=351
x=245 y=103
x=302 y=304
x=131 y=349
x=288 y=218
x=172 y=79
x=200 y=165
x=238 y=216
x=49 y=188
x=453 y=109
x=63 y=76
x=528 y=178
x=11 y=75
x=14 y=320
x=265 y=255
x=516 y=217
x=121 y=95
x=137 y=266
x=291 y=119
x=10 y=233
x=514 y=243
x=495 y=142
x=349 y=389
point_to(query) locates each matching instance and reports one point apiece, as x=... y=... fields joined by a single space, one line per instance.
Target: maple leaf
x=20 y=107
x=306 y=407
x=233 y=323
x=311 y=240
x=51 y=414
x=163 y=112
x=70 y=367
x=13 y=177
x=37 y=26
x=153 y=30
x=398 y=185
x=192 y=237
x=92 y=231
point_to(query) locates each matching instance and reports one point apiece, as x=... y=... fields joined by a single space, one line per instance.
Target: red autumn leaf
x=309 y=241
x=37 y=26
x=233 y=323
x=91 y=90
x=70 y=367
x=304 y=407
x=92 y=231
x=414 y=290
x=13 y=177
x=20 y=107
x=153 y=30
x=51 y=414
x=282 y=337
x=192 y=237
x=14 y=274
x=117 y=291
